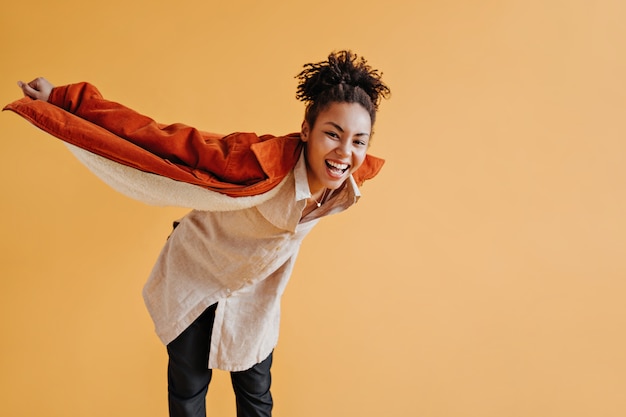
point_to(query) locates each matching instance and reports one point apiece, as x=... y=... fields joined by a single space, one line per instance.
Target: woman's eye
x=332 y=135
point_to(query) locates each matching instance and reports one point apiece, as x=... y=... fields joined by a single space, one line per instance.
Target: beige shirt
x=242 y=260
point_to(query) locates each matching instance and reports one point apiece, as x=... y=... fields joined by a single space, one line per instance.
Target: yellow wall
x=482 y=275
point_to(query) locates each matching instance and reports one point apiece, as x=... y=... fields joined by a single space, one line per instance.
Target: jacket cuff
x=69 y=97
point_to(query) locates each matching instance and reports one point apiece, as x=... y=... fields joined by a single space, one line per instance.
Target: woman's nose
x=344 y=148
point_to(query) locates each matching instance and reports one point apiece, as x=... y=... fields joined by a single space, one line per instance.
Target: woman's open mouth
x=336 y=169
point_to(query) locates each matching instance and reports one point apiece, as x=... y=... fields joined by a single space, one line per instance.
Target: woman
x=214 y=293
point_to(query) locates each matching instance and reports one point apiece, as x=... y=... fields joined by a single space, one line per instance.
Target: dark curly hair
x=343 y=78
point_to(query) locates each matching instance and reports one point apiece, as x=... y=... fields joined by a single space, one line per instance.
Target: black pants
x=188 y=375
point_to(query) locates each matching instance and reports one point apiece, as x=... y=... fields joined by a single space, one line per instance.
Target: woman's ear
x=304 y=133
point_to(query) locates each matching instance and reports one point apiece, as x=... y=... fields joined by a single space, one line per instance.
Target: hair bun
x=343 y=67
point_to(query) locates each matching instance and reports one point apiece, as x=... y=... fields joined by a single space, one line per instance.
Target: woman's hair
x=343 y=78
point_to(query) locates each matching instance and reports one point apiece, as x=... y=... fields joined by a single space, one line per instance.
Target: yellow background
x=482 y=274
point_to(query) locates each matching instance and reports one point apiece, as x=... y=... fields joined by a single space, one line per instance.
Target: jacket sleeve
x=115 y=141
x=227 y=158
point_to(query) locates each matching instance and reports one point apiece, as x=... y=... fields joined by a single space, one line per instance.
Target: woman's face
x=336 y=144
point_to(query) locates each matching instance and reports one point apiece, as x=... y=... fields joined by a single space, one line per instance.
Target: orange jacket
x=239 y=164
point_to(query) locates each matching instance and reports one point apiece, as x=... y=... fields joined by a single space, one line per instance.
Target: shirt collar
x=285 y=209
x=302 y=182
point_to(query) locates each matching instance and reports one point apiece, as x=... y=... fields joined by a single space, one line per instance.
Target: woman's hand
x=39 y=88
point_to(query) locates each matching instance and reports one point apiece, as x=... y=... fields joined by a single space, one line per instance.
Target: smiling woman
x=214 y=293
x=342 y=96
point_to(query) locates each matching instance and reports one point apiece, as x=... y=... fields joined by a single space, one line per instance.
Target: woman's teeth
x=338 y=167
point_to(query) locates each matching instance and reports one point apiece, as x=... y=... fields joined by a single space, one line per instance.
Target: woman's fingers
x=38 y=89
